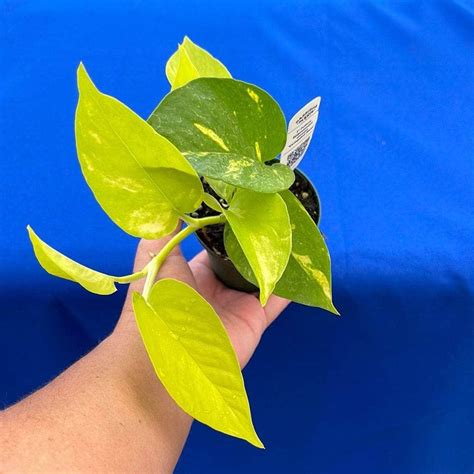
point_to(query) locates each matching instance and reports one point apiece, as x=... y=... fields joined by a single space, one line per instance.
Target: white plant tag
x=300 y=131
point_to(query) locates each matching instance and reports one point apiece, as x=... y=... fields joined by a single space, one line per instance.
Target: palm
x=241 y=313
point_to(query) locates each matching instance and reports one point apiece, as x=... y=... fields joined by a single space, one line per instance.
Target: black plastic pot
x=223 y=266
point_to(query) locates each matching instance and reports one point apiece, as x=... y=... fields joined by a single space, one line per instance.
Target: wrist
x=138 y=375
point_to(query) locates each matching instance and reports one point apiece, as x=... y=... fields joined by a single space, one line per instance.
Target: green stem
x=132 y=276
x=203 y=221
x=155 y=264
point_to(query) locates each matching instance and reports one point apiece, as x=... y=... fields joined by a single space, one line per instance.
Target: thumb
x=174 y=266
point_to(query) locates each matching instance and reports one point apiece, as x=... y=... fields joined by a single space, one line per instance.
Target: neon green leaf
x=138 y=177
x=61 y=266
x=212 y=202
x=307 y=277
x=191 y=61
x=224 y=190
x=261 y=225
x=193 y=357
x=227 y=129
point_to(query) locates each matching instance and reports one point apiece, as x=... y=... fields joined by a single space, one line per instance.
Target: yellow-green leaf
x=212 y=202
x=138 y=177
x=193 y=357
x=261 y=225
x=191 y=61
x=224 y=190
x=61 y=266
x=307 y=277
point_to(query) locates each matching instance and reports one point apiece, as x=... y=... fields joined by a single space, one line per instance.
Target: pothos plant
x=147 y=176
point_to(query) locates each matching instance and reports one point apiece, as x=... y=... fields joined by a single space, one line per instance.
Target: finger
x=201 y=258
x=146 y=250
x=174 y=266
x=275 y=305
x=206 y=281
x=201 y=267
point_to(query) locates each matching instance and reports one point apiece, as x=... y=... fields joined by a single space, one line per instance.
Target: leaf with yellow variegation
x=227 y=130
x=307 y=277
x=138 y=177
x=261 y=225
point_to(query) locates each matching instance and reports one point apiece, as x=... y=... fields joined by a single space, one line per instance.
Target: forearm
x=108 y=412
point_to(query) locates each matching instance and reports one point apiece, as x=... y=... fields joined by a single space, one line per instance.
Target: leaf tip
x=81 y=69
x=257 y=442
x=181 y=49
x=329 y=306
x=266 y=290
x=250 y=435
x=83 y=78
x=263 y=297
x=31 y=233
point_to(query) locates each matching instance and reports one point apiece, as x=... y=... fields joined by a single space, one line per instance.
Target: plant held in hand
x=206 y=158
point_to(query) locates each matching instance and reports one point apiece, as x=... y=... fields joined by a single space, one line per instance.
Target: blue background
x=389 y=386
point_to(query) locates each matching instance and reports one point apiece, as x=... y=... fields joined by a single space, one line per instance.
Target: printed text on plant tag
x=300 y=131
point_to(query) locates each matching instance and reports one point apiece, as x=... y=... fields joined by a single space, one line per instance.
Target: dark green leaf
x=227 y=129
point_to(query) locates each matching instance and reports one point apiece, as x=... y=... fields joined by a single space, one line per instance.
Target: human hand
x=241 y=313
x=109 y=410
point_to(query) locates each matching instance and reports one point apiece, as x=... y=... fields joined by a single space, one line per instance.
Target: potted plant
x=206 y=157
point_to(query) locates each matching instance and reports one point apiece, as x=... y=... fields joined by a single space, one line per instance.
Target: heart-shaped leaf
x=138 y=177
x=61 y=266
x=261 y=225
x=191 y=61
x=193 y=357
x=307 y=277
x=227 y=129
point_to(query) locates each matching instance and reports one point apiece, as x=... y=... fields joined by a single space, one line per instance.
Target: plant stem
x=154 y=266
x=132 y=276
x=203 y=221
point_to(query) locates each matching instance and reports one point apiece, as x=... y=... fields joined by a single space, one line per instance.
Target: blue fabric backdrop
x=389 y=386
